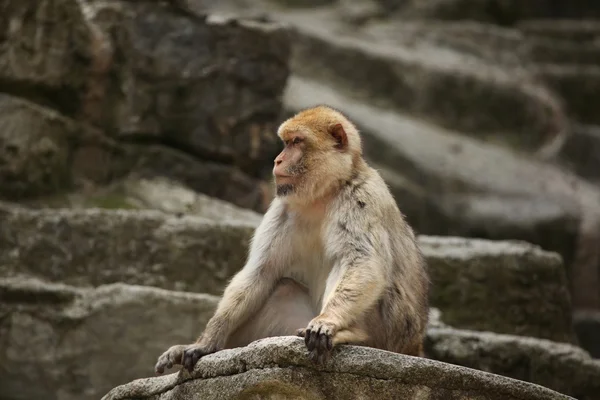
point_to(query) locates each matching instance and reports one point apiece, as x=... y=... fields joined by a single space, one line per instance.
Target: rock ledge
x=279 y=368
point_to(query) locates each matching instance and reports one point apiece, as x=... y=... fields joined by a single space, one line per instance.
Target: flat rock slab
x=94 y=247
x=561 y=367
x=145 y=247
x=65 y=343
x=277 y=368
x=504 y=287
x=81 y=343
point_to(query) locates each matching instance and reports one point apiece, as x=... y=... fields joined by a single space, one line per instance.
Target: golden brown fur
x=333 y=259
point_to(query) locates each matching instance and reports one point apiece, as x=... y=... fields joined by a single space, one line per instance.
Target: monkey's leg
x=287 y=309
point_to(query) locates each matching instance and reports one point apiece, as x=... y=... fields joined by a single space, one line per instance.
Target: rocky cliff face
x=136 y=143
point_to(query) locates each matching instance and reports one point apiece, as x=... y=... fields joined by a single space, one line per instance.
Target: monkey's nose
x=278 y=161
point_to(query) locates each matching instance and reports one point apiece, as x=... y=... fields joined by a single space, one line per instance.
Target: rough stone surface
x=502 y=12
x=579 y=85
x=277 y=368
x=63 y=343
x=93 y=247
x=428 y=80
x=468 y=275
x=587 y=328
x=35 y=146
x=581 y=151
x=448 y=184
x=561 y=367
x=156 y=193
x=145 y=247
x=154 y=76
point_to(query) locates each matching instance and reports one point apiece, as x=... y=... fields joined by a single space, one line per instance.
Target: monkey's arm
x=245 y=294
x=357 y=281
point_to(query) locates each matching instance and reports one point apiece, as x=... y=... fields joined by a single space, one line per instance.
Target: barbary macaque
x=333 y=260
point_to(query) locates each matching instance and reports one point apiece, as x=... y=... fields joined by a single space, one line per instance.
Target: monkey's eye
x=296 y=140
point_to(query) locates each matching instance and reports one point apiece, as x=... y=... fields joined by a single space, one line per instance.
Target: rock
x=78 y=341
x=449 y=184
x=428 y=80
x=587 y=328
x=576 y=31
x=502 y=12
x=579 y=85
x=35 y=146
x=156 y=193
x=64 y=343
x=535 y=297
x=44 y=154
x=558 y=366
x=145 y=247
x=199 y=254
x=148 y=73
x=581 y=151
x=355 y=372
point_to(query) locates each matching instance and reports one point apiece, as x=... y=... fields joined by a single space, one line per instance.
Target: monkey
x=333 y=260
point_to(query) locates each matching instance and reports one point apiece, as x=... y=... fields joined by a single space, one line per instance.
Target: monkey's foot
x=193 y=353
x=169 y=358
x=318 y=337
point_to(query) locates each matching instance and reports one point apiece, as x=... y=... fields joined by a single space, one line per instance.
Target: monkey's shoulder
x=368 y=194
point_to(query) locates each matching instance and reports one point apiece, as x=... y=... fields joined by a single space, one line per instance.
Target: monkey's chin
x=285 y=189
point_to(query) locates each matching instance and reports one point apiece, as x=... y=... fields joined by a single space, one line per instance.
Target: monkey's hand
x=193 y=353
x=318 y=337
x=169 y=358
x=186 y=355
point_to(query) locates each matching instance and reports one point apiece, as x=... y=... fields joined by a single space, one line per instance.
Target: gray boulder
x=201 y=253
x=62 y=343
x=145 y=247
x=504 y=287
x=154 y=78
x=587 y=328
x=65 y=343
x=277 y=368
x=561 y=367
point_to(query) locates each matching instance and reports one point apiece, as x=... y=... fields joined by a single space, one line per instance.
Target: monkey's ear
x=339 y=134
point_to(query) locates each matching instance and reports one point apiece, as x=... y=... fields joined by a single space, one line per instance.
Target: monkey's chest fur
x=308 y=264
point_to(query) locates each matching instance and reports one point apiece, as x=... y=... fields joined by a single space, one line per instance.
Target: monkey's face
x=316 y=155
x=290 y=165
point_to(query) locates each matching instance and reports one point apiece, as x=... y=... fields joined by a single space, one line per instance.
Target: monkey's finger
x=301 y=332
x=312 y=343
x=187 y=361
x=322 y=343
x=329 y=342
x=307 y=337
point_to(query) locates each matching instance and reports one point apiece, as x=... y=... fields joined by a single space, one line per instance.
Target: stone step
x=561 y=367
x=355 y=373
x=82 y=342
x=506 y=12
x=581 y=151
x=77 y=344
x=578 y=85
x=434 y=82
x=562 y=29
x=450 y=184
x=45 y=154
x=196 y=254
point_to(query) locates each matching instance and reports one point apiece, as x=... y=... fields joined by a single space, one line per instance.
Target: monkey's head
x=321 y=149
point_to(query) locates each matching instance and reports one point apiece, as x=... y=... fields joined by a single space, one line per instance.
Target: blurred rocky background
x=136 y=144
